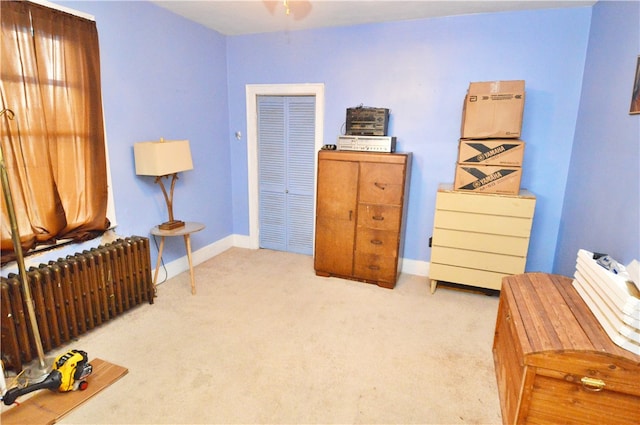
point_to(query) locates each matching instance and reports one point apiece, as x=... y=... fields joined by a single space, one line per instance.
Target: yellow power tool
x=68 y=373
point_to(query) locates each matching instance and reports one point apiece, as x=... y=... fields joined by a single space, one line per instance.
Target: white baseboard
x=180 y=265
x=415 y=267
x=201 y=255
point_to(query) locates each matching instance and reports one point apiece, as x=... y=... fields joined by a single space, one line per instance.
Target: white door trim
x=252 y=93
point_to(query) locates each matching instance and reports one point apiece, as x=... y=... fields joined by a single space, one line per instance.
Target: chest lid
x=558 y=332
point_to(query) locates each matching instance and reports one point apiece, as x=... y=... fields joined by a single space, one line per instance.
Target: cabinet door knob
x=378 y=217
x=376 y=241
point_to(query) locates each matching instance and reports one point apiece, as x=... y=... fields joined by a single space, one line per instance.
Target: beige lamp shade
x=163 y=157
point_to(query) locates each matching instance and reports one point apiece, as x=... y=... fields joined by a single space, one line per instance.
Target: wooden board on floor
x=47 y=407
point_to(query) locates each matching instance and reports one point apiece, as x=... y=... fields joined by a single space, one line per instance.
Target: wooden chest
x=554 y=362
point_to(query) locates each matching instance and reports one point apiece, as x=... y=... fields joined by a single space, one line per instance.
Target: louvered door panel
x=286 y=140
x=272 y=220
x=300 y=174
x=271 y=169
x=271 y=139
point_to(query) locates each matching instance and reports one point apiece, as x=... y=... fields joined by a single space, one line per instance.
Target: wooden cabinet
x=554 y=362
x=479 y=238
x=360 y=215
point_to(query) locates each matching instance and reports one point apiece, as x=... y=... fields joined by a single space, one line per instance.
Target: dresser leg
x=434 y=283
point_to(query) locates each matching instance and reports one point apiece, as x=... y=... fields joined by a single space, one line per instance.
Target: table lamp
x=160 y=159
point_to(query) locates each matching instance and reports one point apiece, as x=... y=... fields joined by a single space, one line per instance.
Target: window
x=54 y=148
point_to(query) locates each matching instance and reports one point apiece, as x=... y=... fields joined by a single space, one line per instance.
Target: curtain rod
x=64 y=9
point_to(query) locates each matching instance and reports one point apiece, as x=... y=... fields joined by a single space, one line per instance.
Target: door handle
x=592 y=384
x=380 y=185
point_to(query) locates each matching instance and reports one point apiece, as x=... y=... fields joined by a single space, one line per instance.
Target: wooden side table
x=186 y=231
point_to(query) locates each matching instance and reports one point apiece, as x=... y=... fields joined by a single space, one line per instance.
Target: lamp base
x=36 y=372
x=171 y=225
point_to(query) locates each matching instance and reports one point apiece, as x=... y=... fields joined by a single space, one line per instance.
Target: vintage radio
x=367 y=143
x=363 y=121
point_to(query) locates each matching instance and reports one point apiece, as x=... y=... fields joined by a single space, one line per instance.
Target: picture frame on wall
x=635 y=95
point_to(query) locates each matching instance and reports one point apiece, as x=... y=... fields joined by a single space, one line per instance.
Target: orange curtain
x=54 y=147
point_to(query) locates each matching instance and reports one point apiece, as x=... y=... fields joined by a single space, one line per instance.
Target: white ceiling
x=259 y=16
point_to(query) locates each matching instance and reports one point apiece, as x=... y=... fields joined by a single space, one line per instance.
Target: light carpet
x=264 y=340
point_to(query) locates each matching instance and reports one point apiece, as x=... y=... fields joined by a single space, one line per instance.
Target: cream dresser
x=479 y=238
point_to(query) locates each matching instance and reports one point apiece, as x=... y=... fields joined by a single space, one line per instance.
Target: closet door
x=286 y=149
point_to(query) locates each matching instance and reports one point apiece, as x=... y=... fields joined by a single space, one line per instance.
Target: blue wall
x=421 y=70
x=602 y=198
x=164 y=76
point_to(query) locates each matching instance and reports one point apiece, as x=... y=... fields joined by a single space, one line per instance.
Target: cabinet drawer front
x=486 y=204
x=478 y=260
x=492 y=224
x=380 y=242
x=375 y=268
x=498 y=244
x=381 y=183
x=382 y=217
x=472 y=277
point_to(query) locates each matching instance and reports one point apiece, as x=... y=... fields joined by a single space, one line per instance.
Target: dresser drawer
x=479 y=260
x=466 y=276
x=375 y=268
x=379 y=242
x=472 y=241
x=482 y=223
x=479 y=203
x=381 y=183
x=382 y=217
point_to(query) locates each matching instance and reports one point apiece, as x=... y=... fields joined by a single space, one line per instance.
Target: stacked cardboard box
x=490 y=153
